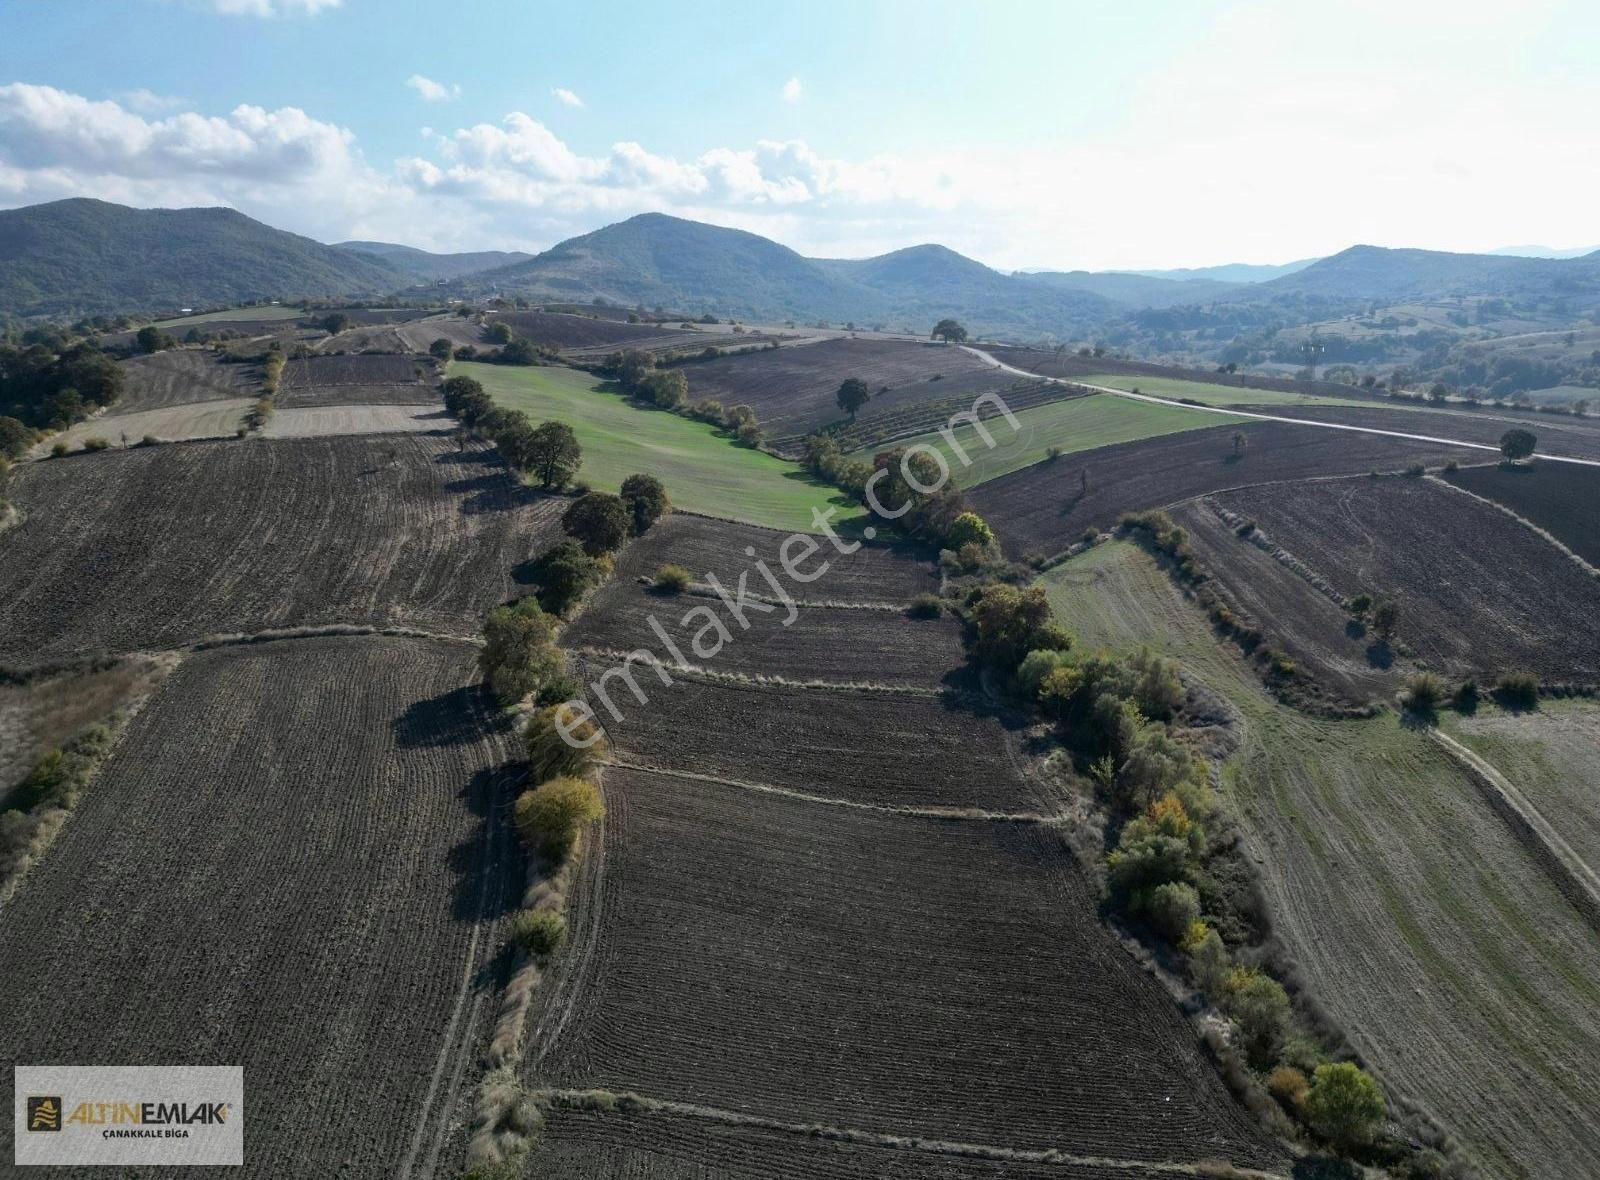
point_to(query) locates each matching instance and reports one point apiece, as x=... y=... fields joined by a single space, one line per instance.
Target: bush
x=539 y=932
x=551 y=816
x=1260 y=1007
x=926 y=606
x=1035 y=666
x=1288 y=1085
x=1359 y=605
x=1344 y=1105
x=1465 y=698
x=672 y=579
x=968 y=529
x=1208 y=963
x=1416 y=470
x=95 y=444
x=1518 y=690
x=749 y=434
x=550 y=755
x=1171 y=908
x=1423 y=692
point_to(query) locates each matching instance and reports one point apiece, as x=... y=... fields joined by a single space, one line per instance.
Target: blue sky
x=1139 y=133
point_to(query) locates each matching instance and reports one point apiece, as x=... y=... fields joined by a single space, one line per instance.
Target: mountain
x=1134 y=290
x=83 y=256
x=427 y=267
x=1374 y=273
x=1544 y=251
x=1232 y=272
x=688 y=266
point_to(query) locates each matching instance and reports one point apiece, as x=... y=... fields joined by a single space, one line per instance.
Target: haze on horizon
x=1027 y=135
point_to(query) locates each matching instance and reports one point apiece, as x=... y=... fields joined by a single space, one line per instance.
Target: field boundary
x=1524 y=521
x=1576 y=880
x=937 y=813
x=650 y=660
x=324 y=631
x=607 y=1101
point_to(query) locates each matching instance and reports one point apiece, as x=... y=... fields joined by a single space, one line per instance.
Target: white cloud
x=792 y=90
x=567 y=97
x=148 y=102
x=432 y=91
x=270 y=8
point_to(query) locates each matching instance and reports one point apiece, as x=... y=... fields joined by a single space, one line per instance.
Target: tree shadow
x=1380 y=654
x=1322 y=1167
x=1355 y=629
x=487 y=862
x=452 y=718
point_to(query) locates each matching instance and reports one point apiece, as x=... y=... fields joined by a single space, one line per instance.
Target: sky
x=1071 y=134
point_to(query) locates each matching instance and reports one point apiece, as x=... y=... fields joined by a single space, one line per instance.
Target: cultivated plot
x=1577 y=437
x=1558 y=497
x=119 y=552
x=294 y=849
x=175 y=423
x=322 y=421
x=1211 y=394
x=179 y=376
x=358 y=379
x=820 y=964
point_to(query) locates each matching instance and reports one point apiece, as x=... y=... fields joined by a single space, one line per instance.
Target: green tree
x=667 y=388
x=1385 y=617
x=336 y=322
x=968 y=529
x=646 y=500
x=441 y=348
x=853 y=394
x=152 y=339
x=599 y=522
x=1517 y=444
x=1007 y=624
x=554 y=455
x=562 y=574
x=948 y=330
x=550 y=816
x=517 y=653
x=1344 y=1106
x=500 y=333
x=15 y=438
x=1260 y=1006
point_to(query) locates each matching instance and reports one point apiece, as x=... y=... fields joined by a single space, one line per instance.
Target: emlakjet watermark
x=702 y=629
x=116 y=1115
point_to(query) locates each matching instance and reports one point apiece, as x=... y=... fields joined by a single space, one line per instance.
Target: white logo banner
x=129 y=1114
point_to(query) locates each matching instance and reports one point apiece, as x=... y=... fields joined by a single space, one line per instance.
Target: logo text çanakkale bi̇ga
x=148 y=1120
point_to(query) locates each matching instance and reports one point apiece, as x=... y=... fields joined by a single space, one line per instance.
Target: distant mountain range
x=83 y=256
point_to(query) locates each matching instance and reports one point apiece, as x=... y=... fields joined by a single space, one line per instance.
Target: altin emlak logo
x=127 y=1115
x=44 y=1112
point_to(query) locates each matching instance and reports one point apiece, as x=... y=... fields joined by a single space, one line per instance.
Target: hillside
x=1134 y=290
x=1229 y=272
x=667 y=261
x=84 y=256
x=1376 y=273
x=425 y=266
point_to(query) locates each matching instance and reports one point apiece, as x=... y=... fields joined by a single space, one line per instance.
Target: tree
x=500 y=333
x=668 y=389
x=1240 y=442
x=441 y=348
x=517 y=652
x=554 y=455
x=335 y=323
x=518 y=351
x=599 y=521
x=949 y=331
x=1517 y=444
x=969 y=529
x=152 y=339
x=516 y=440
x=853 y=394
x=563 y=573
x=15 y=438
x=550 y=816
x=1344 y=1105
x=1008 y=623
x=465 y=399
x=1260 y=1006
x=646 y=500
x=1385 y=616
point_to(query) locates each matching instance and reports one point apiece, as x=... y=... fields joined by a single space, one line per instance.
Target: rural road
x=1166 y=401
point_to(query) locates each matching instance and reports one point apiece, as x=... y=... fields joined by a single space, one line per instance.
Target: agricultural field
x=1045 y=508
x=1211 y=394
x=1480 y=594
x=1557 y=497
x=354 y=379
x=883 y=749
x=180 y=376
x=49 y=708
x=175 y=423
x=835 y=645
x=874 y=572
x=324 y=421
x=264 y=313
x=1069 y=426
x=767 y=956
x=417 y=335
x=1557 y=435
x=1469 y=982
x=117 y=552
x=792 y=390
x=703 y=469
x=579 y=332
x=291 y=862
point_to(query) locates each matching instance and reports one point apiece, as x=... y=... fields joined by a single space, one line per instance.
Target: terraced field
x=1479 y=594
x=804 y=962
x=1045 y=507
x=289 y=870
x=117 y=551
x=1469 y=981
x=704 y=471
x=1558 y=497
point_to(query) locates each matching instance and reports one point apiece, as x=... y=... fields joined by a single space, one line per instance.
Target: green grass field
x=1217 y=395
x=268 y=311
x=1420 y=920
x=703 y=469
x=1077 y=424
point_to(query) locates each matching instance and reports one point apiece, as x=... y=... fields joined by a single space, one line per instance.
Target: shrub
x=1051 y=454
x=550 y=755
x=926 y=606
x=1171 y=908
x=749 y=434
x=1344 y=1105
x=551 y=816
x=95 y=444
x=1517 y=690
x=1423 y=692
x=1090 y=537
x=149 y=440
x=1465 y=698
x=539 y=932
x=1288 y=1085
x=1359 y=605
x=969 y=529
x=1452 y=466
x=672 y=579
x=1260 y=1007
x=1208 y=963
x=599 y=521
x=646 y=501
x=1416 y=470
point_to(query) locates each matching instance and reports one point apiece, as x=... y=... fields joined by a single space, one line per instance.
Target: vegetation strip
x=606 y=1099
x=1574 y=877
x=651 y=660
x=944 y=813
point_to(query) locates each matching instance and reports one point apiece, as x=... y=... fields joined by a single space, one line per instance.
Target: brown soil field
x=419 y=334
x=175 y=423
x=117 y=551
x=580 y=1144
x=290 y=863
x=580 y=332
x=1479 y=593
x=878 y=748
x=323 y=421
x=833 y=644
x=1560 y=498
x=1042 y=508
x=1046 y=363
x=792 y=389
x=919 y=417
x=43 y=712
x=359 y=379
x=1577 y=437
x=875 y=572
x=813 y=964
x=183 y=375
x=1298 y=618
